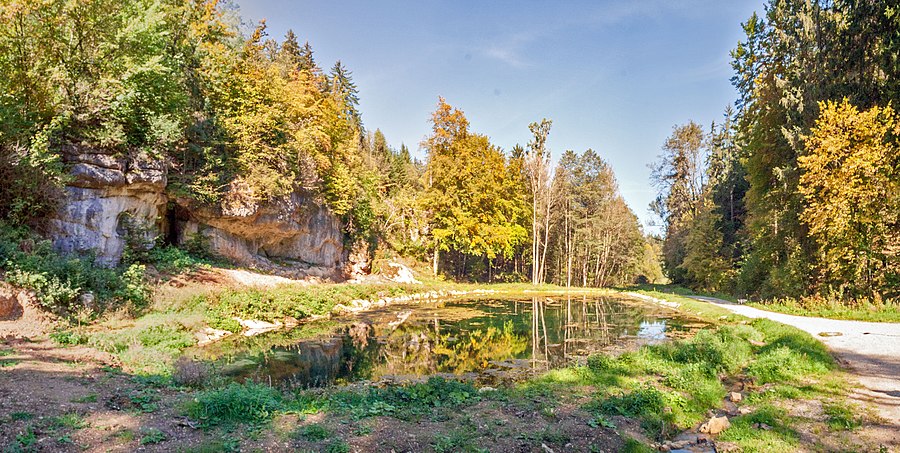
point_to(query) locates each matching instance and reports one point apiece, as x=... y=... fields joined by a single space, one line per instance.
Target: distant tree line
x=251 y=119
x=797 y=191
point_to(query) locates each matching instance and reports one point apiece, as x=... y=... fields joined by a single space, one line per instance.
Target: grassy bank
x=627 y=402
x=881 y=311
x=877 y=310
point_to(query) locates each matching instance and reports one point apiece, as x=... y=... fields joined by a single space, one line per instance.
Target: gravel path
x=869 y=350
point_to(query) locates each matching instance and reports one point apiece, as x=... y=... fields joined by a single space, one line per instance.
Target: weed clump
x=312 y=432
x=236 y=403
x=840 y=417
x=404 y=402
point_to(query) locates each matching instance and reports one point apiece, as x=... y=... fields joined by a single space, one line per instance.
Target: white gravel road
x=869 y=350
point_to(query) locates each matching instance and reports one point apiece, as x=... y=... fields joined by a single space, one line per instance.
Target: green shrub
x=719 y=350
x=599 y=362
x=173 y=260
x=338 y=446
x=236 y=403
x=69 y=337
x=58 y=280
x=406 y=401
x=152 y=436
x=645 y=400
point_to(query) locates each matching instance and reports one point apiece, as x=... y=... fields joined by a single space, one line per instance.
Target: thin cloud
x=509 y=49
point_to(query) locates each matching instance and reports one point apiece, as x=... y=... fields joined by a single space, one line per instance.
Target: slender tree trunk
x=568 y=250
x=546 y=238
x=534 y=241
x=434 y=263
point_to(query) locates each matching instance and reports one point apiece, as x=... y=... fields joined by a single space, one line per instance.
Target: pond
x=486 y=340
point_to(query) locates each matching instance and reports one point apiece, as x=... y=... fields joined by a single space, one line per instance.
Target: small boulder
x=9 y=301
x=399 y=273
x=727 y=447
x=715 y=425
x=735 y=397
x=209 y=335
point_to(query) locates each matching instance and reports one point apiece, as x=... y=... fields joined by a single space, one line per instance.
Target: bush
x=403 y=402
x=649 y=404
x=173 y=260
x=236 y=403
x=59 y=280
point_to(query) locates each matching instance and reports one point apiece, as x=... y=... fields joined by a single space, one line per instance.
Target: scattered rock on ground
x=715 y=425
x=209 y=335
x=727 y=447
x=399 y=273
x=735 y=397
x=9 y=301
x=255 y=327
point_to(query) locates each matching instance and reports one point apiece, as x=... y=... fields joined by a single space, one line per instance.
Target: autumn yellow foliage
x=851 y=187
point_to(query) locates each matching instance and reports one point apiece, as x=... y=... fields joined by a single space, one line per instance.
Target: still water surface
x=485 y=340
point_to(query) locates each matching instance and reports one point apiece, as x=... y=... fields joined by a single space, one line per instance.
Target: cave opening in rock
x=176 y=219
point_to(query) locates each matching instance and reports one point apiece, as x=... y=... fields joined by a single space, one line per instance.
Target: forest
x=253 y=118
x=795 y=192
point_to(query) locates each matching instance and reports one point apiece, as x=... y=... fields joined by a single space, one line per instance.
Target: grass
x=71 y=421
x=857 y=310
x=873 y=310
x=747 y=431
x=91 y=398
x=841 y=417
x=236 y=403
x=149 y=344
x=672 y=387
x=312 y=432
x=19 y=416
x=457 y=440
x=406 y=402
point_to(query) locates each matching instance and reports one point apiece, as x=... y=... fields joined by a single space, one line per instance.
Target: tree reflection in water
x=479 y=339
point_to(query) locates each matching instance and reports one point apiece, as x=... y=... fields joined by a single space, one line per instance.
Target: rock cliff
x=105 y=191
x=294 y=237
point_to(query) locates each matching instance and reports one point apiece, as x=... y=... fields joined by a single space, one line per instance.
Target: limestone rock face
x=293 y=237
x=104 y=190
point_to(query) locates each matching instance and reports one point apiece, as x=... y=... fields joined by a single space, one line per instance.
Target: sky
x=614 y=76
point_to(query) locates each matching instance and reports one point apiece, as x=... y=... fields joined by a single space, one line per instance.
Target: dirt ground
x=73 y=399
x=70 y=399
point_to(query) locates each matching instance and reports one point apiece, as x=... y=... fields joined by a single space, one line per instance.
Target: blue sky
x=613 y=75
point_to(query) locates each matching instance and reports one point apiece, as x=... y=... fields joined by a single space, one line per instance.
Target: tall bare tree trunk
x=434 y=264
x=568 y=250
